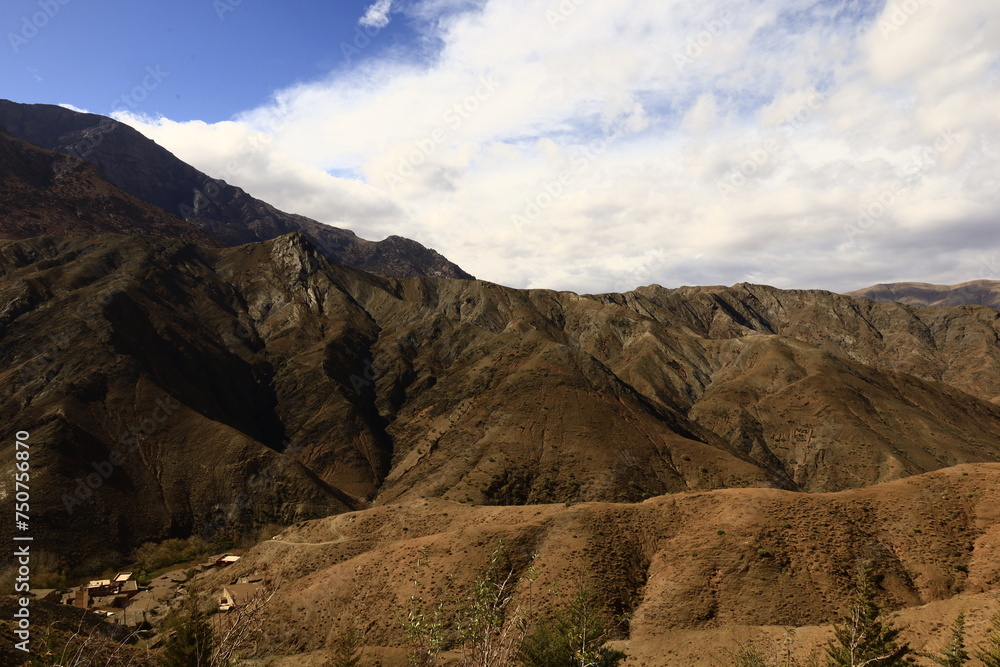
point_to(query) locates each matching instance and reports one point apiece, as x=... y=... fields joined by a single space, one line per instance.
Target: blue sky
x=587 y=145
x=220 y=56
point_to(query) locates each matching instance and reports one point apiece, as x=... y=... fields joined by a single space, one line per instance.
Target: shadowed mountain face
x=142 y=168
x=235 y=386
x=975 y=292
x=42 y=192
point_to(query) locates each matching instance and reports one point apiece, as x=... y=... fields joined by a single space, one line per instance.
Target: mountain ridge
x=145 y=170
x=293 y=372
x=973 y=292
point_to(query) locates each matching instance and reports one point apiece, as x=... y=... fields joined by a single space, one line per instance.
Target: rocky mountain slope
x=147 y=171
x=695 y=574
x=265 y=383
x=37 y=198
x=975 y=292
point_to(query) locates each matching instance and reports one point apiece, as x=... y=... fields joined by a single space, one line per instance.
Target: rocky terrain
x=266 y=384
x=714 y=460
x=149 y=172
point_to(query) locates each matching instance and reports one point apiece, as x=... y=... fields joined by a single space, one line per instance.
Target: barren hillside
x=695 y=573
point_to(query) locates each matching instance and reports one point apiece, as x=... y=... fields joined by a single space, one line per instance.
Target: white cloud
x=786 y=141
x=377 y=15
x=73 y=108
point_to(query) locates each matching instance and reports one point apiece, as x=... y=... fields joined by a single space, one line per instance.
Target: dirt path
x=337 y=540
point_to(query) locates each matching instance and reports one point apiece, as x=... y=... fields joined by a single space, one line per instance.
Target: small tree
x=425 y=623
x=954 y=653
x=865 y=638
x=240 y=629
x=766 y=653
x=192 y=641
x=990 y=654
x=490 y=628
x=347 y=649
x=576 y=638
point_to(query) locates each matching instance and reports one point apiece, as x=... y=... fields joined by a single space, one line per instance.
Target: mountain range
x=291 y=372
x=716 y=458
x=974 y=292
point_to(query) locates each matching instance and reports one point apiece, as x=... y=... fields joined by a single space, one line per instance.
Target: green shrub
x=749 y=656
x=152 y=556
x=347 y=649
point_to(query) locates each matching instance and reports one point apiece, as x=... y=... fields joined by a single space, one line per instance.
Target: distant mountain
x=974 y=292
x=44 y=193
x=146 y=170
x=298 y=388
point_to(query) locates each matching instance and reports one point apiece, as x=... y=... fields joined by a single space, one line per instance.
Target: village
x=123 y=601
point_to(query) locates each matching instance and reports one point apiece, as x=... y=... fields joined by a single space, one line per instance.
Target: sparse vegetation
x=190 y=638
x=424 y=622
x=85 y=645
x=490 y=623
x=749 y=657
x=153 y=556
x=490 y=626
x=48 y=571
x=194 y=637
x=485 y=625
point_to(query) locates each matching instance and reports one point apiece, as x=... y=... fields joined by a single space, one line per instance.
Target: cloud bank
x=597 y=146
